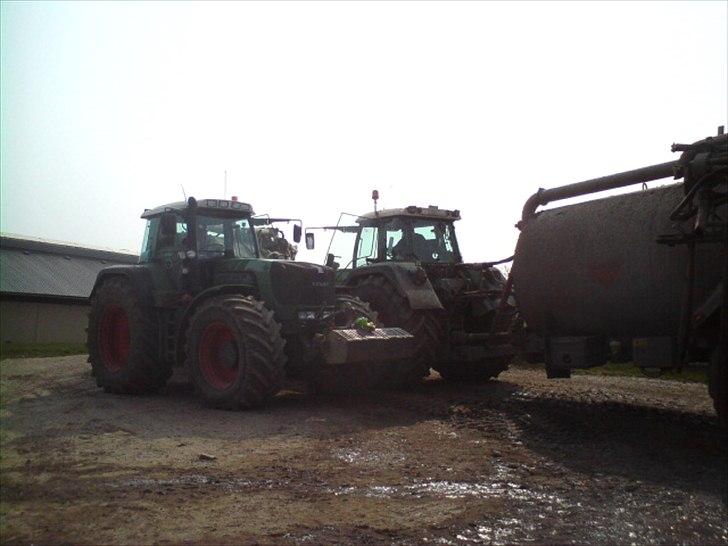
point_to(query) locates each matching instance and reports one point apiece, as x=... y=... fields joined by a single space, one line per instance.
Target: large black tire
x=473 y=371
x=348 y=378
x=718 y=378
x=394 y=310
x=718 y=383
x=235 y=352
x=123 y=341
x=349 y=308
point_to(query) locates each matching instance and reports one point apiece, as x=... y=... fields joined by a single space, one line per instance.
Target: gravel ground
x=601 y=460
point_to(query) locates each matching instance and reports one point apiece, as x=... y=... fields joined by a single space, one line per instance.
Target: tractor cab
x=204 y=229
x=425 y=235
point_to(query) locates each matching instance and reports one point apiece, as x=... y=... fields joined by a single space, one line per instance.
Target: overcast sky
x=106 y=109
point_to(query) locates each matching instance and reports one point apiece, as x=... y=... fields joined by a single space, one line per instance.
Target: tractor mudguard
x=406 y=279
x=139 y=276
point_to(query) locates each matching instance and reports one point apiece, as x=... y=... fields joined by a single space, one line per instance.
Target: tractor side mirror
x=310 y=241
x=168 y=225
x=331 y=261
x=297 y=234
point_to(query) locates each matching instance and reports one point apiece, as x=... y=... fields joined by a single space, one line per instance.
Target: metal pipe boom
x=613 y=181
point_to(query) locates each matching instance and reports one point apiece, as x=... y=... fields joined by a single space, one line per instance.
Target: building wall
x=29 y=322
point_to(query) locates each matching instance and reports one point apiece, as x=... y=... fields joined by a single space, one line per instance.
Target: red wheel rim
x=114 y=338
x=218 y=356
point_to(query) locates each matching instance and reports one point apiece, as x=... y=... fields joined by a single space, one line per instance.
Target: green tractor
x=202 y=297
x=406 y=264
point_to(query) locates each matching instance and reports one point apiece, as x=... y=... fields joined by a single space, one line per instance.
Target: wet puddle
x=360 y=456
x=501 y=531
x=497 y=485
x=448 y=490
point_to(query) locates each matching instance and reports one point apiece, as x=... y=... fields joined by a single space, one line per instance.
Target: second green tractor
x=406 y=264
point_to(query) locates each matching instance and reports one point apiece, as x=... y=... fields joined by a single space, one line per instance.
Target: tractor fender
x=139 y=277
x=408 y=279
x=184 y=320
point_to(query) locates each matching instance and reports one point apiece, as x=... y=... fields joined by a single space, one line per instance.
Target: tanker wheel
x=425 y=325
x=473 y=371
x=718 y=383
x=235 y=352
x=348 y=378
x=123 y=341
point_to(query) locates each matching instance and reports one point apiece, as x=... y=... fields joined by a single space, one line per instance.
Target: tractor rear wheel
x=718 y=383
x=347 y=378
x=123 y=340
x=235 y=352
x=394 y=310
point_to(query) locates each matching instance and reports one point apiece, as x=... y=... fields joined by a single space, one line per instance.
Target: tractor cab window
x=395 y=240
x=366 y=249
x=170 y=232
x=232 y=237
x=149 y=242
x=433 y=241
x=342 y=245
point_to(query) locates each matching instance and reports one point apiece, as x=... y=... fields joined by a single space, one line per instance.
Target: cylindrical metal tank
x=595 y=268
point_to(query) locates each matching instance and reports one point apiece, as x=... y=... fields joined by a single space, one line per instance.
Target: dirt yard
x=599 y=460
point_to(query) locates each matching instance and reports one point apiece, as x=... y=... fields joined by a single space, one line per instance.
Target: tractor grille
x=302 y=284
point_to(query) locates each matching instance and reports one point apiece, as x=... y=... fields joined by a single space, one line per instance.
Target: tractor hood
x=279 y=282
x=300 y=283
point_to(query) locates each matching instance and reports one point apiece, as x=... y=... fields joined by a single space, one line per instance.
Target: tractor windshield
x=423 y=240
x=233 y=237
x=433 y=241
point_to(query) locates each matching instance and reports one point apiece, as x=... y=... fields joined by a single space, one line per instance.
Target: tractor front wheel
x=123 y=340
x=235 y=352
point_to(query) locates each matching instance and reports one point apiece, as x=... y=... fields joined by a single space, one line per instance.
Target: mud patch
x=520 y=460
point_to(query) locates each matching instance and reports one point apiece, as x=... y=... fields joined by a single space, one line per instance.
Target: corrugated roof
x=40 y=268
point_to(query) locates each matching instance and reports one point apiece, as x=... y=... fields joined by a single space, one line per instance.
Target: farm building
x=45 y=286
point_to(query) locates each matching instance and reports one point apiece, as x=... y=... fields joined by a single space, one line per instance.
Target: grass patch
x=35 y=350
x=689 y=374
